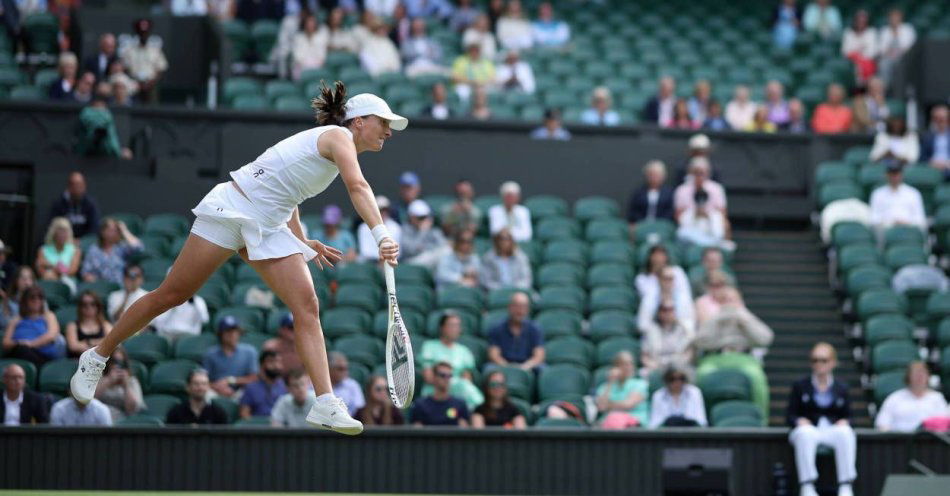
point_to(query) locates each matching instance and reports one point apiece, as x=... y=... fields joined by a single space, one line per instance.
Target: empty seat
x=542 y=206
x=652 y=232
x=867 y=277
x=359 y=274
x=339 y=322
x=612 y=298
x=168 y=225
x=158 y=405
x=610 y=274
x=887 y=327
x=562 y=382
x=171 y=377
x=55 y=376
x=566 y=251
x=903 y=255
x=461 y=297
x=362 y=296
x=611 y=323
x=520 y=382
x=559 y=274
x=249 y=318
x=848 y=233
x=893 y=355
x=360 y=348
x=194 y=347
x=559 y=322
x=886 y=383
x=569 y=350
x=147 y=347
x=733 y=409
x=608 y=349
x=879 y=301
x=723 y=385
x=562 y=297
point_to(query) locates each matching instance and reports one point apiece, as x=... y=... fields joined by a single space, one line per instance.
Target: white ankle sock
x=97 y=356
x=325 y=397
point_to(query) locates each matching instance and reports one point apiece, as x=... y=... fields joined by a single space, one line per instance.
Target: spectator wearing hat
x=260 y=396
x=186 y=319
x=505 y=265
x=368 y=250
x=345 y=387
x=935 y=144
x=659 y=108
x=284 y=345
x=422 y=243
x=699 y=172
x=438 y=108
x=21 y=406
x=332 y=235
x=472 y=69
x=510 y=213
x=462 y=215
x=480 y=33
x=197 y=409
x=698 y=104
x=698 y=145
x=461 y=266
x=714 y=119
x=514 y=31
x=678 y=403
x=600 y=112
x=145 y=61
x=896 y=203
x=410 y=188
x=515 y=74
x=8 y=268
x=231 y=364
x=832 y=116
x=551 y=128
x=797 y=123
x=78 y=207
x=653 y=200
x=120 y=300
x=547 y=31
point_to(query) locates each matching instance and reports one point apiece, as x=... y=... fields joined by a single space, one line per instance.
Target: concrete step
x=768 y=287
x=805 y=234
x=813 y=281
x=767 y=257
x=777 y=315
x=778 y=267
x=758 y=303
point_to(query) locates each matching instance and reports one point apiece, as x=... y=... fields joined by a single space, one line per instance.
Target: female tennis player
x=257 y=215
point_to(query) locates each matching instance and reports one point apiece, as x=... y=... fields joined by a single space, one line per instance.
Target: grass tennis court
x=173 y=493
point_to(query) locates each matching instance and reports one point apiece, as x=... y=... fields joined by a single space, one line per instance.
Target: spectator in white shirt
x=514 y=31
x=894 y=40
x=69 y=412
x=668 y=293
x=510 y=214
x=184 y=320
x=340 y=37
x=896 y=203
x=678 y=403
x=420 y=53
x=189 y=7
x=822 y=18
x=439 y=107
x=648 y=281
x=702 y=225
x=480 y=33
x=291 y=409
x=309 y=45
x=897 y=143
x=422 y=243
x=368 y=250
x=382 y=8
x=859 y=44
x=120 y=301
x=906 y=408
x=378 y=53
x=666 y=340
x=741 y=109
x=515 y=74
x=547 y=31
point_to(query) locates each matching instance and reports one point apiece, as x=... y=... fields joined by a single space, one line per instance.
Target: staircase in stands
x=783 y=276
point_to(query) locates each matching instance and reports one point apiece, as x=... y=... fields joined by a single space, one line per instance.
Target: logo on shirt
x=258 y=173
x=452 y=413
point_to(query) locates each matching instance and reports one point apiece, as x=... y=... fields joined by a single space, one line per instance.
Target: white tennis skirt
x=228 y=219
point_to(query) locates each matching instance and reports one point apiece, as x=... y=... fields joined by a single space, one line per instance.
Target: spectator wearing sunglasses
x=440 y=408
x=90 y=325
x=666 y=340
x=120 y=301
x=497 y=410
x=34 y=334
x=379 y=409
x=678 y=403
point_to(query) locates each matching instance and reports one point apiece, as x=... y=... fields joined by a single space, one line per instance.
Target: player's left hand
x=326 y=255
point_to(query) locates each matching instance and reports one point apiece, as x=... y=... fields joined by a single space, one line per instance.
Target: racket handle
x=390 y=275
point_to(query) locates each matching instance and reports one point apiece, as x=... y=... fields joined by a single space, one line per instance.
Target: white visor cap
x=369 y=104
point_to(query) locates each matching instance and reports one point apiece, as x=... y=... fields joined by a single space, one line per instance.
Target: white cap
x=510 y=187
x=699 y=142
x=382 y=202
x=368 y=104
x=419 y=208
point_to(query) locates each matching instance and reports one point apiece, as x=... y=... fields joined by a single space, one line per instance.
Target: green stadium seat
x=904 y=235
x=556 y=228
x=848 y=233
x=359 y=274
x=865 y=277
x=360 y=348
x=520 y=382
x=607 y=324
x=280 y=88
x=610 y=275
x=643 y=253
x=478 y=347
x=246 y=274
x=595 y=207
x=562 y=382
x=559 y=274
x=569 y=350
x=65 y=315
x=612 y=298
x=653 y=232
x=736 y=409
x=543 y=206
x=839 y=190
x=739 y=421
x=485 y=202
x=339 y=322
x=831 y=171
x=559 y=423
x=460 y=297
x=886 y=383
x=238 y=36
x=359 y=372
x=239 y=86
x=156 y=268
x=147 y=348
x=612 y=252
x=55 y=375
x=230 y=407
x=250 y=318
x=171 y=377
x=606 y=229
x=724 y=385
x=870 y=177
x=926 y=179
x=565 y=251
x=900 y=256
x=256 y=422
x=215 y=293
x=10 y=77
x=608 y=349
x=29 y=370
x=239 y=294
x=362 y=296
x=250 y=102
x=937 y=308
x=158 y=405
x=887 y=327
x=879 y=301
x=291 y=104
x=941 y=336
x=168 y=225
x=942 y=195
x=194 y=347
x=141 y=420
x=563 y=298
x=26 y=93
x=42 y=32
x=264 y=34
x=412 y=274
x=893 y=355
x=557 y=323
x=856 y=255
x=133 y=222
x=57 y=293
x=415 y=297
x=499 y=298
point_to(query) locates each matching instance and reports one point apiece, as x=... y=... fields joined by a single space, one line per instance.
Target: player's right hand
x=389 y=251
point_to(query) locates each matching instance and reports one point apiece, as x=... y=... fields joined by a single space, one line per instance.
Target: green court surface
x=27 y=492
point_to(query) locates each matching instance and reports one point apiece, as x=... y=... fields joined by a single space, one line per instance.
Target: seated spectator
x=684 y=196
x=284 y=345
x=652 y=300
x=505 y=265
x=196 y=410
x=438 y=108
x=71 y=413
x=464 y=15
x=935 y=144
x=11 y=294
x=188 y=8
x=120 y=300
x=896 y=143
x=894 y=41
x=8 y=268
x=379 y=409
x=497 y=410
x=699 y=145
x=869 y=109
x=291 y=409
x=711 y=262
x=260 y=396
x=648 y=282
x=124 y=88
x=119 y=389
x=666 y=339
x=859 y=45
x=514 y=31
x=714 y=120
x=786 y=20
x=21 y=406
x=551 y=128
x=472 y=70
x=145 y=61
x=309 y=49
x=433 y=9
x=698 y=104
x=775 y=105
x=440 y=408
x=186 y=319
x=58 y=258
x=510 y=213
x=600 y=112
x=401 y=25
x=96 y=134
x=740 y=111
x=659 y=108
x=448 y=350
x=339 y=37
x=515 y=74
x=99 y=62
x=62 y=88
x=381 y=8
x=461 y=266
x=496 y=9
x=480 y=110
x=678 y=403
x=481 y=33
x=83 y=90
x=819 y=410
x=461 y=215
x=420 y=53
x=797 y=123
x=717 y=294
x=79 y=208
x=681 y=117
x=332 y=235
x=905 y=409
x=251 y=11
x=760 y=121
x=823 y=19
x=368 y=249
x=90 y=325
x=653 y=200
x=422 y=242
x=518 y=341
x=345 y=387
x=832 y=116
x=378 y=53
x=727 y=325
x=230 y=364
x=34 y=334
x=896 y=203
x=622 y=400
x=547 y=31
x=410 y=189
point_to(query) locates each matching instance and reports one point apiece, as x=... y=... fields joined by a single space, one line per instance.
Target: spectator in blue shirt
x=714 y=120
x=548 y=32
x=440 y=408
x=551 y=129
x=332 y=235
x=600 y=113
x=231 y=364
x=438 y=9
x=259 y=396
x=107 y=258
x=69 y=412
x=517 y=341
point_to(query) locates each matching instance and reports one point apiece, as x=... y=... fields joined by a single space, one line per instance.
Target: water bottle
x=780 y=480
x=213 y=85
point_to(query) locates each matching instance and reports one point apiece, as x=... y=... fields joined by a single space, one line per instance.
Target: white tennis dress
x=275 y=183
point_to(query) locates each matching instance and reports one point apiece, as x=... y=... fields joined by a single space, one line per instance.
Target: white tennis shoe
x=84 y=381
x=331 y=413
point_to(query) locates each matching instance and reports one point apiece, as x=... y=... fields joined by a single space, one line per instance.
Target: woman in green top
x=59 y=256
x=448 y=349
x=622 y=400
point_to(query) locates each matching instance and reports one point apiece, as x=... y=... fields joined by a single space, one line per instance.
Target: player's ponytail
x=330 y=105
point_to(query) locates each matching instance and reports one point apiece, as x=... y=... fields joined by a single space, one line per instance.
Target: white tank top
x=287 y=173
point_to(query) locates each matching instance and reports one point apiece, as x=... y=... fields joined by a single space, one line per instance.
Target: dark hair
x=366 y=414
x=330 y=106
x=442 y=364
x=129 y=268
x=894 y=123
x=100 y=311
x=446 y=316
x=25 y=297
x=700 y=197
x=195 y=371
x=674 y=370
x=488 y=412
x=306 y=15
x=267 y=354
x=114 y=362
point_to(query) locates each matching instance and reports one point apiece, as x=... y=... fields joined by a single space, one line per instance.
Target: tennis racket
x=400 y=366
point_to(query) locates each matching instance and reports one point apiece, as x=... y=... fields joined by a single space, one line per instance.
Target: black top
x=430 y=411
x=639 y=205
x=801 y=403
x=33 y=410
x=82 y=214
x=502 y=417
x=93 y=64
x=182 y=414
x=395 y=417
x=82 y=336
